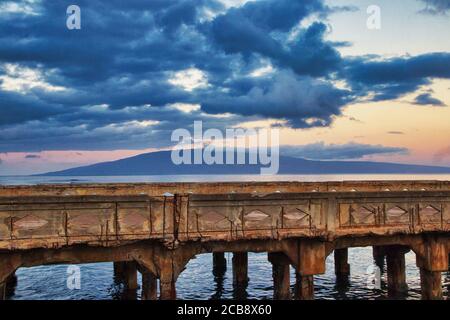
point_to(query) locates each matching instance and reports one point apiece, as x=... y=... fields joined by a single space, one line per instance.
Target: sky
x=342 y=79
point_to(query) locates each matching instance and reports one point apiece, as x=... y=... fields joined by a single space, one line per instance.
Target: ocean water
x=197 y=280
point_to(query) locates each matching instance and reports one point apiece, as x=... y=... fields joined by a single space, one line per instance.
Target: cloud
x=442 y=154
x=355 y=119
x=131 y=76
x=427 y=99
x=302 y=102
x=19 y=108
x=243 y=31
x=273 y=15
x=322 y=151
x=392 y=78
x=435 y=7
x=395 y=132
x=127 y=68
x=32 y=156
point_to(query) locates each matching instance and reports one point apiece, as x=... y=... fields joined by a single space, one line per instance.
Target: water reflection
x=219 y=271
x=119 y=291
x=240 y=291
x=342 y=285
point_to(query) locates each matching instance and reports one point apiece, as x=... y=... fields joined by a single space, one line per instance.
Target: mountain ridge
x=159 y=163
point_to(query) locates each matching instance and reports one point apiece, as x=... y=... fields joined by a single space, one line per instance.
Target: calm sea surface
x=197 y=281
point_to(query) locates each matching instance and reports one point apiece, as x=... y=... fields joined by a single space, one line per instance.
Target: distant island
x=159 y=163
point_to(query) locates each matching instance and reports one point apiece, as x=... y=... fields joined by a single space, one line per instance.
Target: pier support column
x=304 y=287
x=219 y=264
x=149 y=285
x=432 y=259
x=308 y=258
x=240 y=268
x=395 y=260
x=167 y=265
x=280 y=274
x=9 y=263
x=378 y=256
x=3 y=291
x=431 y=285
x=118 y=268
x=167 y=289
x=341 y=266
x=167 y=280
x=126 y=273
x=130 y=276
x=8 y=286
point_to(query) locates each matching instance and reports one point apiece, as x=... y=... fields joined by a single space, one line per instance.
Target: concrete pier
x=159 y=227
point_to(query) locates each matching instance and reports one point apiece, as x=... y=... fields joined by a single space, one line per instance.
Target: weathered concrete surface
x=304 y=287
x=281 y=275
x=219 y=264
x=160 y=227
x=240 y=269
x=56 y=216
x=158 y=189
x=149 y=285
x=341 y=265
x=395 y=260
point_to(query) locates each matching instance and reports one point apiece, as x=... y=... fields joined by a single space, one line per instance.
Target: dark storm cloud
x=427 y=99
x=238 y=31
x=116 y=70
x=436 y=6
x=393 y=78
x=106 y=130
x=305 y=102
x=19 y=108
x=322 y=151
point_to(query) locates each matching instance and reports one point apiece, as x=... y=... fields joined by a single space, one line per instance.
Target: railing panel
x=32 y=222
